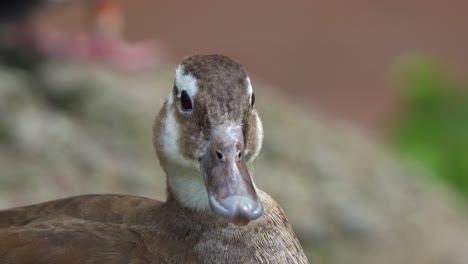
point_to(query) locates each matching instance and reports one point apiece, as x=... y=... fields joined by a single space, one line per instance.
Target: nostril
x=219 y=155
x=239 y=155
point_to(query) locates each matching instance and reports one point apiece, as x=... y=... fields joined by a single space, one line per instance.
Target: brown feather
x=129 y=229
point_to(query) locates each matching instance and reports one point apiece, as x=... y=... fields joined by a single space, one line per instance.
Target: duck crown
x=219 y=88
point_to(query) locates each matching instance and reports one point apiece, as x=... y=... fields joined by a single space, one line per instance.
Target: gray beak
x=231 y=192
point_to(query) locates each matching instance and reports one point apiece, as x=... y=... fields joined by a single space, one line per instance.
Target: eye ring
x=185 y=101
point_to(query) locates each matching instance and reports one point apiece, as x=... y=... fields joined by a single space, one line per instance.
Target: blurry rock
x=349 y=200
x=54 y=149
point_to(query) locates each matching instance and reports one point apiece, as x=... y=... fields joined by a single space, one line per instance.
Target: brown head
x=207 y=136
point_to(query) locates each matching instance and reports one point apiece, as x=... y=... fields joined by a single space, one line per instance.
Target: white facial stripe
x=185 y=180
x=170 y=137
x=249 y=86
x=185 y=82
x=249 y=89
x=260 y=138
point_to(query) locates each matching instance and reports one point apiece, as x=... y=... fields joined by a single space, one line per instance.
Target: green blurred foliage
x=431 y=127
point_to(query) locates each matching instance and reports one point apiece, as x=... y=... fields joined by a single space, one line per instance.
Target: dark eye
x=252 y=100
x=185 y=101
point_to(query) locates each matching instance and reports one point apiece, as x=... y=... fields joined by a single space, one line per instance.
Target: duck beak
x=230 y=188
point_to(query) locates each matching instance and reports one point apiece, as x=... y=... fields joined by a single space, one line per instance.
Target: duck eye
x=185 y=101
x=252 y=100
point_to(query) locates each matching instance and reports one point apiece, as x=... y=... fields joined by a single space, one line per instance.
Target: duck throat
x=187 y=187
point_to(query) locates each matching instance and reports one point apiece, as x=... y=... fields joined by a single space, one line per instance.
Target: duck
x=207 y=137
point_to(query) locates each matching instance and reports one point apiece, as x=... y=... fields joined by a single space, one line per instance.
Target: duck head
x=207 y=136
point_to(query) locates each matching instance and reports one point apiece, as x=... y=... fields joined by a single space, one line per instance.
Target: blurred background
x=364 y=103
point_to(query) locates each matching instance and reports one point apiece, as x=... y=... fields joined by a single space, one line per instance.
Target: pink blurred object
x=93 y=48
x=104 y=44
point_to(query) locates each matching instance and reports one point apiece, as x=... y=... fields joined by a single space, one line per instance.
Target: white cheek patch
x=249 y=86
x=249 y=89
x=185 y=82
x=184 y=176
x=170 y=138
x=258 y=147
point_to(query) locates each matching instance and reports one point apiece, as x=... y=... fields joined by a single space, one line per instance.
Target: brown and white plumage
x=207 y=136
